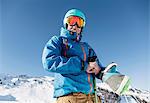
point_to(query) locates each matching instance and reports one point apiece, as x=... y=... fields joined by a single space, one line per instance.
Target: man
x=68 y=58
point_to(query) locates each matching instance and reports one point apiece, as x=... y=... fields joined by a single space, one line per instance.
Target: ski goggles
x=72 y=20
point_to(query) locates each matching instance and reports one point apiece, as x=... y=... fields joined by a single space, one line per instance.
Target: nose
x=74 y=27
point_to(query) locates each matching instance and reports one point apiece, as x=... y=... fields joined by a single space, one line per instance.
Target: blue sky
x=116 y=29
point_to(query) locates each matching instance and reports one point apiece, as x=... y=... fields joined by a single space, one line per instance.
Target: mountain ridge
x=31 y=89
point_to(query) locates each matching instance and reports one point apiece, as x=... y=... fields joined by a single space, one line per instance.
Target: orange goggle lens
x=72 y=20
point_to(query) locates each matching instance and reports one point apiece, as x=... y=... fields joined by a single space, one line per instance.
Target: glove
x=93 y=68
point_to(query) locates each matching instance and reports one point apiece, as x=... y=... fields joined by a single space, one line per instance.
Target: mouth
x=73 y=30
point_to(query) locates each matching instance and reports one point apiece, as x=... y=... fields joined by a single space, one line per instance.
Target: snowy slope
x=25 y=89
x=142 y=96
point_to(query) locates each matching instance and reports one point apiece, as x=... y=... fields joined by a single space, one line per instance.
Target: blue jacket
x=68 y=59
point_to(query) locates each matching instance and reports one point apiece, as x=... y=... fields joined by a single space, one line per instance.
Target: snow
x=25 y=89
x=7 y=98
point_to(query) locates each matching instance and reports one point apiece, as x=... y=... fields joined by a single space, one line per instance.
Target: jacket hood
x=66 y=34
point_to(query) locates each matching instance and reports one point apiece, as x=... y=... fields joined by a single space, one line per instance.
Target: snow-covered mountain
x=132 y=96
x=26 y=89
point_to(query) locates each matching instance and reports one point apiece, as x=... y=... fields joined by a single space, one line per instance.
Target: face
x=74 y=28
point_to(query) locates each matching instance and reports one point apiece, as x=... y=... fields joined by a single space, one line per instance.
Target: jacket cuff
x=100 y=75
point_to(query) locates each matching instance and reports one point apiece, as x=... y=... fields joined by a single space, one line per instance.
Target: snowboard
x=118 y=82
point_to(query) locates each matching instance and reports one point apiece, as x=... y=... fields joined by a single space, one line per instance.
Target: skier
x=74 y=63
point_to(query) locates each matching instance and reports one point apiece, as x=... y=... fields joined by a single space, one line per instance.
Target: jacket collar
x=66 y=34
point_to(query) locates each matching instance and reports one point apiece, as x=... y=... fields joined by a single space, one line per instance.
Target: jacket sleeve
x=91 y=54
x=53 y=61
